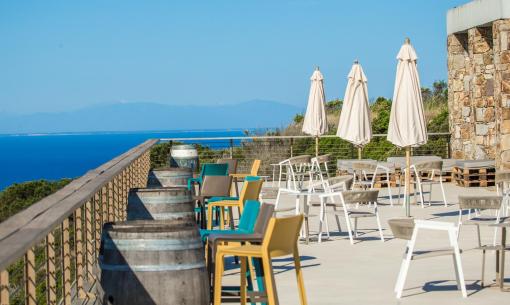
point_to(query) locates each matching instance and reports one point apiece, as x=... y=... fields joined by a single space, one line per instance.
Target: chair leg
x=243 y=280
x=272 y=296
x=400 y=272
x=299 y=276
x=482 y=282
x=457 y=279
x=349 y=230
x=403 y=274
x=222 y=218
x=209 y=216
x=337 y=220
x=389 y=188
x=307 y=231
x=218 y=275
x=442 y=191
x=356 y=227
x=379 y=226
x=460 y=273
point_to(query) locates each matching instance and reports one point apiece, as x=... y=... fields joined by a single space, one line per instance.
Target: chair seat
x=432 y=253
x=246 y=250
x=205 y=233
x=222 y=198
x=359 y=214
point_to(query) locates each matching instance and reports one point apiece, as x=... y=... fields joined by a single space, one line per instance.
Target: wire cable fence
x=273 y=149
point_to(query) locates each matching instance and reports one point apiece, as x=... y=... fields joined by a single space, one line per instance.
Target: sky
x=59 y=56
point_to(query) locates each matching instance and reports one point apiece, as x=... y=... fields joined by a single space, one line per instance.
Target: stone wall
x=479 y=92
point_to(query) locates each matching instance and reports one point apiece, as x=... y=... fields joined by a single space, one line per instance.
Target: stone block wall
x=479 y=92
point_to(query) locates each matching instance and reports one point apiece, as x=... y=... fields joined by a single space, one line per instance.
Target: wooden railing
x=49 y=251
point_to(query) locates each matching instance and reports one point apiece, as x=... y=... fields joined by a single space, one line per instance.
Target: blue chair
x=209 y=169
x=246 y=222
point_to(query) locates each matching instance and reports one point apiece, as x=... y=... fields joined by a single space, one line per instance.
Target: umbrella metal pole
x=408 y=182
x=359 y=152
x=316 y=146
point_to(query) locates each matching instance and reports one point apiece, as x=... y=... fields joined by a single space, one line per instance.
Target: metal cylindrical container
x=169 y=177
x=160 y=204
x=184 y=156
x=151 y=262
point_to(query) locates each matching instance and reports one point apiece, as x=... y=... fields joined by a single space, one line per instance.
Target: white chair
x=480 y=204
x=366 y=198
x=432 y=169
x=503 y=189
x=362 y=171
x=407 y=229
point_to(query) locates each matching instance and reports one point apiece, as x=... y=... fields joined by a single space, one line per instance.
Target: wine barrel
x=169 y=177
x=160 y=204
x=184 y=156
x=152 y=262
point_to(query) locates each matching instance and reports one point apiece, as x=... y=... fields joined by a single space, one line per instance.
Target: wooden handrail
x=27 y=228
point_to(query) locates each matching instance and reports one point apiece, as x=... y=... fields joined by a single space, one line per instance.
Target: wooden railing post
x=111 y=205
x=51 y=276
x=4 y=287
x=78 y=248
x=66 y=263
x=90 y=240
x=30 y=296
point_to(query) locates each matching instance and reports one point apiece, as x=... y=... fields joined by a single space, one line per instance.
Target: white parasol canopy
x=354 y=125
x=315 y=122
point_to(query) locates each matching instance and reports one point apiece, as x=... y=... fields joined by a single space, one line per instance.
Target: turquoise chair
x=209 y=169
x=246 y=222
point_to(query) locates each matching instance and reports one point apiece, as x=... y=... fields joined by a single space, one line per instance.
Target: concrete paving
x=337 y=272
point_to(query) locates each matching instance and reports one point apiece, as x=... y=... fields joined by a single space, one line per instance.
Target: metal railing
x=273 y=149
x=48 y=251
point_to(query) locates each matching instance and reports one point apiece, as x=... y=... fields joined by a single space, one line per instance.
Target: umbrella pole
x=359 y=152
x=317 y=146
x=408 y=181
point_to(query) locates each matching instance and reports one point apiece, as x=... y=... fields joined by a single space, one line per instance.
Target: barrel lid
x=172 y=169
x=184 y=146
x=161 y=189
x=151 y=226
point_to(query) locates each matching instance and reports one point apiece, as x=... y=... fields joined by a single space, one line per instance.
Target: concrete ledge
x=476 y=13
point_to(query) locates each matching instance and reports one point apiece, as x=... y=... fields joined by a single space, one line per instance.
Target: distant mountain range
x=151 y=116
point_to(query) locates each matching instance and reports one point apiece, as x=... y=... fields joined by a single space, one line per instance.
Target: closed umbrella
x=407 y=126
x=354 y=125
x=315 y=122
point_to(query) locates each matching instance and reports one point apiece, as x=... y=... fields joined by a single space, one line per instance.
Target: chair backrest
x=346 y=180
x=431 y=165
x=251 y=189
x=364 y=196
x=490 y=202
x=214 y=169
x=213 y=186
x=321 y=159
x=298 y=160
x=249 y=216
x=255 y=167
x=402 y=228
x=282 y=235
x=265 y=214
x=232 y=164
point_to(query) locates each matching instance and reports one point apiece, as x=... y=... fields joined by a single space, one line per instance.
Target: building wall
x=479 y=92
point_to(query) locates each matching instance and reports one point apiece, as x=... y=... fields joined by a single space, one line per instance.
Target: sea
x=26 y=157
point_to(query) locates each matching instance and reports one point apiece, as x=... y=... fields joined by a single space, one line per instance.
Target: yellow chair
x=242 y=176
x=280 y=240
x=250 y=191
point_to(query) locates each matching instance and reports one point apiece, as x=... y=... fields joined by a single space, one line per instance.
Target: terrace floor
x=337 y=272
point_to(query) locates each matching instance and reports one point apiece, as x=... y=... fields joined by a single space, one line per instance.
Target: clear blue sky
x=65 y=55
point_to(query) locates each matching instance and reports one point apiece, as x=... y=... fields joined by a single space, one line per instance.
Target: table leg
x=502 y=260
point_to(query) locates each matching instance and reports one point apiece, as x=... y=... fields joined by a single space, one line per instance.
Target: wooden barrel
x=184 y=156
x=169 y=177
x=152 y=262
x=160 y=204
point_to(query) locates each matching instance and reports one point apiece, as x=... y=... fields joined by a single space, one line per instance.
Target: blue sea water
x=56 y=156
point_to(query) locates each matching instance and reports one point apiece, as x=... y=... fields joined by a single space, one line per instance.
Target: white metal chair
x=480 y=204
x=503 y=189
x=367 y=198
x=407 y=229
x=432 y=169
x=362 y=171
